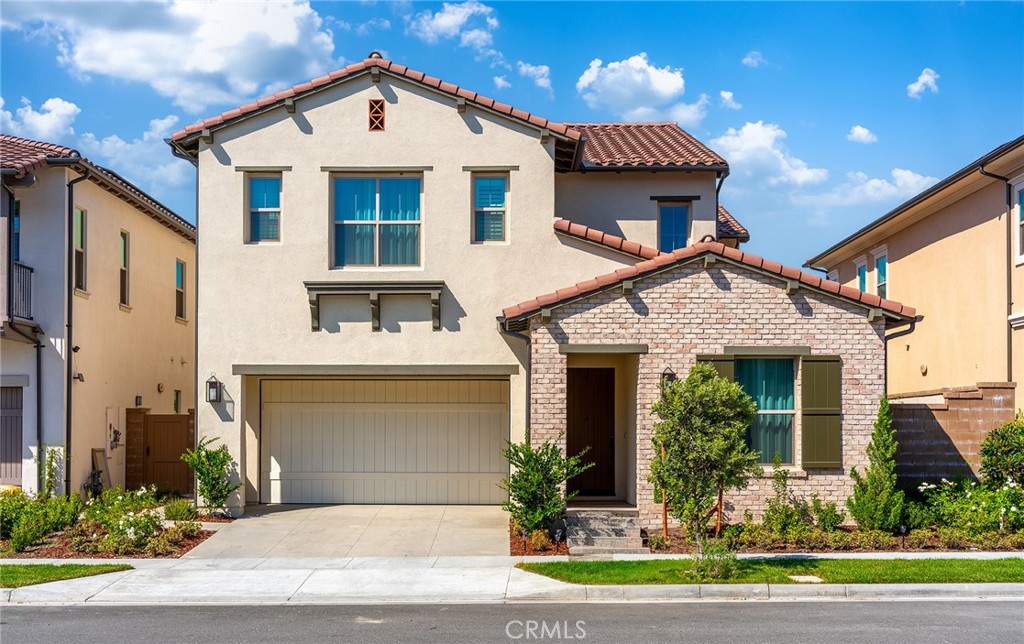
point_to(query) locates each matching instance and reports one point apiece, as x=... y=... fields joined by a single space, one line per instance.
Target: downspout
x=1009 y=268
x=68 y=339
x=718 y=189
x=503 y=329
x=899 y=334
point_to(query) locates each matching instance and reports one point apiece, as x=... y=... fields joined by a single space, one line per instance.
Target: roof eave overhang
x=722 y=170
x=891 y=317
x=596 y=244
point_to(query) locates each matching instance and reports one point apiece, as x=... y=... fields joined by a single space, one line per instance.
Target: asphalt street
x=932 y=622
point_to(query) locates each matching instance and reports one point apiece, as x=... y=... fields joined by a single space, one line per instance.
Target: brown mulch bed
x=213 y=518
x=520 y=548
x=58 y=547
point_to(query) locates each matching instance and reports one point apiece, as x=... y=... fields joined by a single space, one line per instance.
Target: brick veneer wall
x=690 y=310
x=942 y=439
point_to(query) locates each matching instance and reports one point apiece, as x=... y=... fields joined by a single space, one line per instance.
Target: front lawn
x=777 y=571
x=16 y=576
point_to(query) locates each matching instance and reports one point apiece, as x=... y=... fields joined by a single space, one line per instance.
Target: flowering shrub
x=974 y=508
x=109 y=507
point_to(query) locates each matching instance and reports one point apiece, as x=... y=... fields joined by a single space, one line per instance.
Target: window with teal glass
x=673 y=226
x=264 y=208
x=376 y=221
x=489 y=207
x=179 y=289
x=16 y=232
x=770 y=382
x=862 y=277
x=882 y=276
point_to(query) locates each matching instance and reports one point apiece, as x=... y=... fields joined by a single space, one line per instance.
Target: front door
x=165 y=438
x=590 y=422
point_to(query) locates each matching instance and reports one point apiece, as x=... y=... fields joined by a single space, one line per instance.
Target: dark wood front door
x=166 y=437
x=590 y=423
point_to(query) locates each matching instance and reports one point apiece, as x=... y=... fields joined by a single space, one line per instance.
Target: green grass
x=777 y=571
x=18 y=575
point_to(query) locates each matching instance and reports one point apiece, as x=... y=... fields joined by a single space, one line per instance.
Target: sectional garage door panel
x=384 y=441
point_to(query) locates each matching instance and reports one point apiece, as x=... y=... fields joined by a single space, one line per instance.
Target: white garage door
x=383 y=441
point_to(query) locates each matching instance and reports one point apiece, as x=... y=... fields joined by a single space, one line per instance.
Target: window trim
x=672 y=203
x=124 y=269
x=504 y=209
x=1017 y=216
x=859 y=263
x=793 y=413
x=249 y=210
x=333 y=223
x=16 y=230
x=877 y=254
x=182 y=289
x=83 y=215
x=176 y=401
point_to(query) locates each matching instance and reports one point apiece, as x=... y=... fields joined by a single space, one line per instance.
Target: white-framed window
x=1018 y=215
x=81 y=237
x=673 y=225
x=490 y=207
x=179 y=289
x=376 y=221
x=123 y=272
x=881 y=270
x=771 y=382
x=861 y=264
x=264 y=199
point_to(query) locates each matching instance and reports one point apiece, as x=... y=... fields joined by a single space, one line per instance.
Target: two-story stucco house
x=956 y=250
x=375 y=247
x=96 y=315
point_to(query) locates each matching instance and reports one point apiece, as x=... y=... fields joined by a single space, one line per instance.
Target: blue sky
x=830 y=114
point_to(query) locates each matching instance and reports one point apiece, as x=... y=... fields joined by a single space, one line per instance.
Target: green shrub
x=185 y=530
x=180 y=510
x=1012 y=541
x=755 y=536
x=540 y=540
x=811 y=538
x=41 y=517
x=114 y=503
x=213 y=469
x=86 y=536
x=535 y=486
x=842 y=540
x=976 y=508
x=783 y=511
x=953 y=538
x=718 y=561
x=876 y=540
x=12 y=504
x=920 y=538
x=919 y=515
x=876 y=502
x=827 y=516
x=1002 y=453
x=659 y=542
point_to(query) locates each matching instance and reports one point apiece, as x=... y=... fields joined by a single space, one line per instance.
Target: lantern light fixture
x=213 y=389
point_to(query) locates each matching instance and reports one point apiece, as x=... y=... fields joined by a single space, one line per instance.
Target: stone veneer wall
x=690 y=310
x=940 y=432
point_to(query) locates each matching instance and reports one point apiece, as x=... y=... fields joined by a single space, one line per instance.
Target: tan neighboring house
x=373 y=249
x=91 y=263
x=956 y=251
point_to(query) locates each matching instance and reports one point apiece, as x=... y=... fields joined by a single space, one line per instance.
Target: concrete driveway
x=297 y=531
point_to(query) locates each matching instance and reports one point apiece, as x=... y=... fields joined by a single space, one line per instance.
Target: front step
x=603 y=532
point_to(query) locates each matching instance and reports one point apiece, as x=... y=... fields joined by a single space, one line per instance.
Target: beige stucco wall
x=253 y=307
x=950 y=266
x=620 y=203
x=122 y=353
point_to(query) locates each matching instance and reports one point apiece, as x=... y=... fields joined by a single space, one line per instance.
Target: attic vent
x=376 y=115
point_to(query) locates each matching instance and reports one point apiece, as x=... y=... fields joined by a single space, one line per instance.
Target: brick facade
x=689 y=310
x=940 y=432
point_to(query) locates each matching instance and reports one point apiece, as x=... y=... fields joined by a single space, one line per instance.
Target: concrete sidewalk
x=372 y=580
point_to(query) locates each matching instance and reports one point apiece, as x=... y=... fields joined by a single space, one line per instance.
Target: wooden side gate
x=165 y=438
x=10 y=435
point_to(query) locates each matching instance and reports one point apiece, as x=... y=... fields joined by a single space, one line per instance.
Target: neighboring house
x=87 y=260
x=364 y=238
x=956 y=251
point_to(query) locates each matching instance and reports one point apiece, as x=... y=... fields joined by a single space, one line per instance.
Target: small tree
x=876 y=502
x=213 y=470
x=704 y=420
x=1002 y=453
x=536 y=486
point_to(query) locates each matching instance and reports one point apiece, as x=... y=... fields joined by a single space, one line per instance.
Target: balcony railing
x=21 y=291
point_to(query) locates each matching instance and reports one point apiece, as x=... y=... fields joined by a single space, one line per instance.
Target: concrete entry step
x=592 y=532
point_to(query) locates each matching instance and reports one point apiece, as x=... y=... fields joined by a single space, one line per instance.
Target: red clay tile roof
x=729 y=228
x=623 y=145
x=365 y=66
x=24 y=155
x=691 y=253
x=614 y=242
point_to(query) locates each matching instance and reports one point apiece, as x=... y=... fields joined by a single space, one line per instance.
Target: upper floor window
x=862 y=274
x=770 y=382
x=179 y=289
x=124 y=269
x=673 y=226
x=1020 y=222
x=490 y=203
x=264 y=208
x=376 y=221
x=882 y=275
x=16 y=232
x=81 y=220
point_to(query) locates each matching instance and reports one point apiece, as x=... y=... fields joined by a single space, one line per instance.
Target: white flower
x=973 y=483
x=1002 y=511
x=1013 y=508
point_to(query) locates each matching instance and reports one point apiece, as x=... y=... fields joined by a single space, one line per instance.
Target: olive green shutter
x=723 y=364
x=821 y=393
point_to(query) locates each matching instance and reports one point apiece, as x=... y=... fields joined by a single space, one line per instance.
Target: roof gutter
x=1009 y=266
x=68 y=336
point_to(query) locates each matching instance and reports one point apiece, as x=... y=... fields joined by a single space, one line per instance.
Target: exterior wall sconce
x=667 y=377
x=138 y=401
x=213 y=389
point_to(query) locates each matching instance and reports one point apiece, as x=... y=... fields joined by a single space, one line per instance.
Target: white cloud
x=501 y=82
x=539 y=74
x=859 y=189
x=197 y=54
x=50 y=124
x=756 y=151
x=860 y=134
x=728 y=100
x=476 y=39
x=372 y=25
x=925 y=82
x=472 y=23
x=635 y=89
x=754 y=59
x=143 y=160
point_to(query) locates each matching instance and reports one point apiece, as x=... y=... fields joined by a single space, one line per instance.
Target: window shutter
x=821 y=427
x=723 y=364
